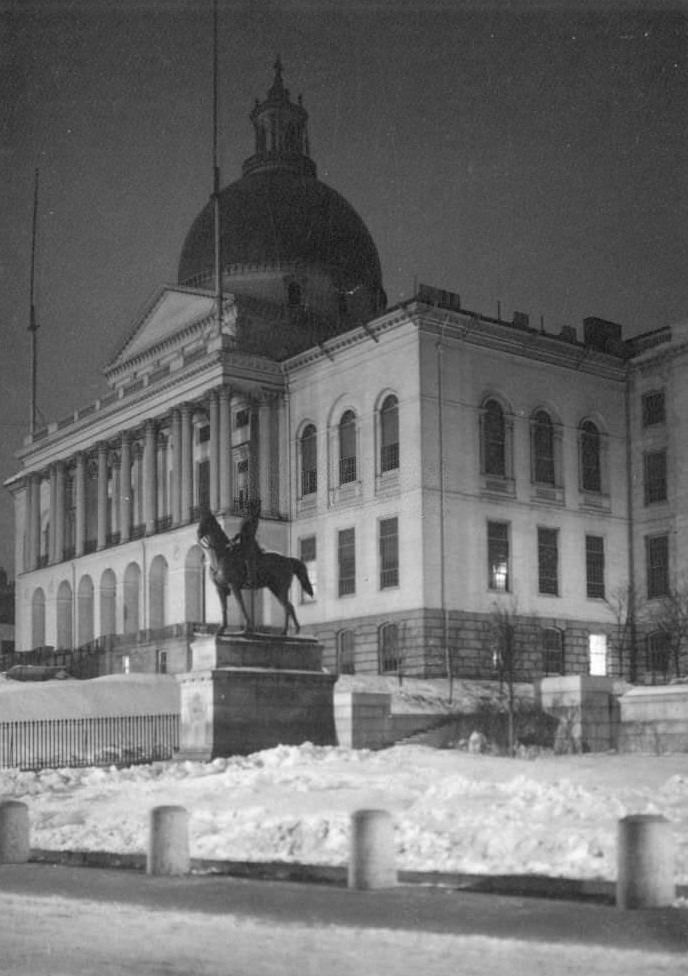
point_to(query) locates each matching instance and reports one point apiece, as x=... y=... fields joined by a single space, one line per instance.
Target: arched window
x=347 y=448
x=346 y=652
x=194 y=586
x=494 y=439
x=157 y=586
x=108 y=603
x=389 y=656
x=38 y=618
x=309 y=461
x=132 y=582
x=542 y=448
x=389 y=434
x=590 y=457
x=85 y=611
x=552 y=651
x=64 y=617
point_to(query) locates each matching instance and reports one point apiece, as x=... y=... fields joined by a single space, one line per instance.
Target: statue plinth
x=251 y=692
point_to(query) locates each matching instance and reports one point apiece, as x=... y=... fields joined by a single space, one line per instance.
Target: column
x=102 y=495
x=150 y=489
x=264 y=458
x=53 y=509
x=80 y=503
x=34 y=520
x=186 y=464
x=59 y=511
x=214 y=414
x=176 y=467
x=125 y=488
x=225 y=449
x=254 y=452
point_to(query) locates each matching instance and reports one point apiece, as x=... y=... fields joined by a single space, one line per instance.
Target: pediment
x=173 y=311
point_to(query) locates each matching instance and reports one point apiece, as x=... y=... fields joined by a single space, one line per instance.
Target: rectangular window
x=498 y=555
x=203 y=483
x=552 y=651
x=657 y=565
x=548 y=561
x=658 y=653
x=307 y=555
x=389 y=552
x=653 y=408
x=597 y=646
x=655 y=477
x=241 y=418
x=346 y=560
x=594 y=566
x=204 y=434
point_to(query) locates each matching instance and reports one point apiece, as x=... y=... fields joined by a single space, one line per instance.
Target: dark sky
x=532 y=153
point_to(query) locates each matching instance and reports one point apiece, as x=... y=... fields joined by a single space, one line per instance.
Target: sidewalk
x=407 y=907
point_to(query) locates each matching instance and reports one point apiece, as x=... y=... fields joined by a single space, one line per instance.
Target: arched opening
x=493 y=439
x=194 y=586
x=38 y=618
x=108 y=603
x=590 y=457
x=347 y=447
x=132 y=585
x=542 y=440
x=389 y=434
x=64 y=617
x=85 y=611
x=346 y=652
x=309 y=461
x=157 y=589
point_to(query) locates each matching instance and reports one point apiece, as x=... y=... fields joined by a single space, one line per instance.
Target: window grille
x=594 y=566
x=590 y=459
x=388 y=649
x=494 y=439
x=346 y=652
x=498 y=555
x=346 y=557
x=655 y=477
x=548 y=561
x=657 y=566
x=653 y=408
x=552 y=651
x=389 y=552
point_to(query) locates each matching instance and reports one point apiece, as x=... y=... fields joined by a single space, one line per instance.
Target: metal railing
x=97 y=741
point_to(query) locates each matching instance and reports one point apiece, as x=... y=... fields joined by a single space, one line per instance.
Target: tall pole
x=33 y=324
x=216 y=174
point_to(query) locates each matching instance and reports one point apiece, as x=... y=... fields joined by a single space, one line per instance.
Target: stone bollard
x=372 y=855
x=14 y=832
x=168 y=842
x=645 y=862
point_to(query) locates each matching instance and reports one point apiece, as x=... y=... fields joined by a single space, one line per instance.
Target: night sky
x=528 y=153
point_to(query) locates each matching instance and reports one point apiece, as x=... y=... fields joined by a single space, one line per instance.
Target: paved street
x=73 y=921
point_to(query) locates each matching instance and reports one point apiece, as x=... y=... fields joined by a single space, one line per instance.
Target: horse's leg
x=248 y=628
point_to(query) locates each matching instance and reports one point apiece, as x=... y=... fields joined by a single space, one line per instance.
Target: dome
x=286 y=238
x=280 y=219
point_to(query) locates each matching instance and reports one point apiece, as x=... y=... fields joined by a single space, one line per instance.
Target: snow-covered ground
x=453 y=811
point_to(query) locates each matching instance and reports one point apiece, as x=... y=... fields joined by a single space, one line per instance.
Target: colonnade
x=147 y=479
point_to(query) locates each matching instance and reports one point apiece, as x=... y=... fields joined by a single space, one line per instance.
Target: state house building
x=437 y=469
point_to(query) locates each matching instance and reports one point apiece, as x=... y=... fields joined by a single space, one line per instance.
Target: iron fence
x=121 y=740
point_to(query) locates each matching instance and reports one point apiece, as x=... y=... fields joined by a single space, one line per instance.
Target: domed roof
x=280 y=218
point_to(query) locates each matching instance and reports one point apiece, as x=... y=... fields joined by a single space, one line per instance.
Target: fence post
x=14 y=832
x=372 y=856
x=168 y=843
x=645 y=862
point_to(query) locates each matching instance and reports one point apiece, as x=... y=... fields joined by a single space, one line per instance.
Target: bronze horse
x=228 y=572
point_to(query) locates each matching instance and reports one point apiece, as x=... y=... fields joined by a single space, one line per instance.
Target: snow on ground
x=453 y=811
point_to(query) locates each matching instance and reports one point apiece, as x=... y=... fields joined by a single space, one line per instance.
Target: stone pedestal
x=586 y=709
x=655 y=719
x=244 y=694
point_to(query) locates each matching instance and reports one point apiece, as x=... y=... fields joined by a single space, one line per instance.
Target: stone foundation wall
x=586 y=709
x=654 y=719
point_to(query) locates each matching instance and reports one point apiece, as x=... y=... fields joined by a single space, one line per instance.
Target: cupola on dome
x=287 y=239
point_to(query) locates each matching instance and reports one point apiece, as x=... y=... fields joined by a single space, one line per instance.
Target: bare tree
x=669 y=615
x=624 y=604
x=502 y=629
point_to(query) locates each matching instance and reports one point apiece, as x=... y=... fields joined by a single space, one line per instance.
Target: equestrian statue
x=241 y=564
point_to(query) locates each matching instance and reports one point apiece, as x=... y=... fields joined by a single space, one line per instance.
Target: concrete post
x=168 y=842
x=645 y=862
x=372 y=856
x=14 y=832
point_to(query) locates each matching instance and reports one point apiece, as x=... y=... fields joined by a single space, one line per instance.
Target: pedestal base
x=236 y=710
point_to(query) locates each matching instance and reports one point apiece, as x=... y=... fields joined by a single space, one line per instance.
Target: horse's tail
x=301 y=574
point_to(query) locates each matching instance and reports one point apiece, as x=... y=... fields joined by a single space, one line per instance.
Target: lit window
x=597 y=647
x=498 y=555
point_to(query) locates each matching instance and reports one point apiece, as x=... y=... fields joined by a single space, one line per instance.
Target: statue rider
x=246 y=537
